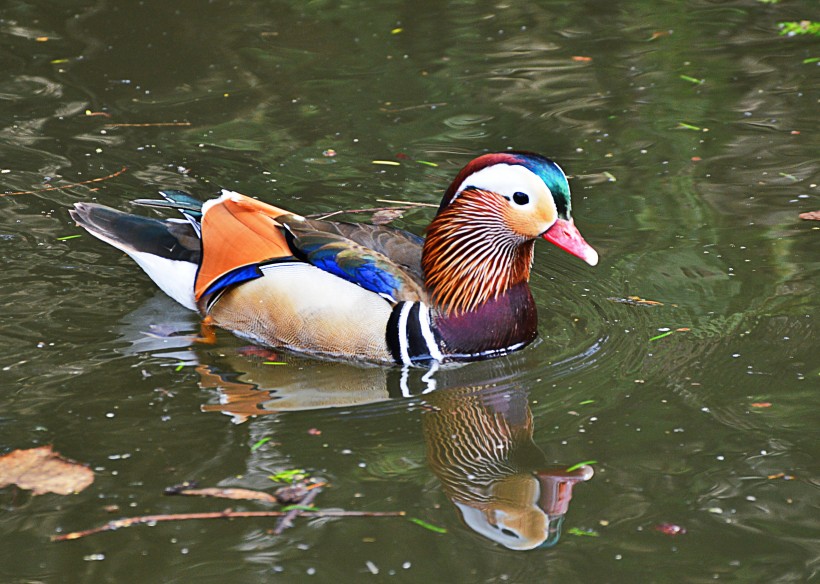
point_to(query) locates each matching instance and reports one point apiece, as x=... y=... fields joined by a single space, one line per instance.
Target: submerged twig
x=148 y=125
x=69 y=186
x=226 y=514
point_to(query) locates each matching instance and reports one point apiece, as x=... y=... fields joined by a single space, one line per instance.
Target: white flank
x=174 y=277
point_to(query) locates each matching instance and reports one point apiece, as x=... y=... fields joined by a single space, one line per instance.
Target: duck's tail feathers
x=190 y=207
x=168 y=251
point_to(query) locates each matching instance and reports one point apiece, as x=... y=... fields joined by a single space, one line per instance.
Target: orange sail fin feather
x=238 y=231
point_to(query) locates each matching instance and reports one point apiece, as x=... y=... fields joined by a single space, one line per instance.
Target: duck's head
x=491 y=214
x=537 y=197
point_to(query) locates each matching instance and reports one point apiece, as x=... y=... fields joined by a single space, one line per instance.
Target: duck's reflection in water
x=479 y=444
x=478 y=434
x=479 y=439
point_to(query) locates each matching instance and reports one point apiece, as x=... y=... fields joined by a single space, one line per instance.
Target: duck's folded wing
x=329 y=247
x=403 y=248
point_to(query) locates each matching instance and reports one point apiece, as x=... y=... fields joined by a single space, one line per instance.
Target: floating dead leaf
x=636 y=301
x=781 y=475
x=41 y=470
x=230 y=493
x=810 y=216
x=386 y=216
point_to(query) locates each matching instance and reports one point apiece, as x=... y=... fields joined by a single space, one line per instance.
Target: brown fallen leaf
x=229 y=493
x=781 y=475
x=810 y=216
x=636 y=301
x=41 y=470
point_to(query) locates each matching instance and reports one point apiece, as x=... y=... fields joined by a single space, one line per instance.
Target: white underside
x=174 y=277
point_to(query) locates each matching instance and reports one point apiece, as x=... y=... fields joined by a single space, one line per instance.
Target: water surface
x=689 y=190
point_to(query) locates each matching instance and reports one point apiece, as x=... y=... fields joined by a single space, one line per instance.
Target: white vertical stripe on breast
x=402 y=332
x=427 y=332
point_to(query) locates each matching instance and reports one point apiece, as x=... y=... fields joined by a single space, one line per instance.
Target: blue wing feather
x=237 y=276
x=355 y=263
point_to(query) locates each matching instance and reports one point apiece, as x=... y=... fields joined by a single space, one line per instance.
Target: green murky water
x=690 y=191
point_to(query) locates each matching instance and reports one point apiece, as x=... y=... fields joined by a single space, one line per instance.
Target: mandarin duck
x=354 y=290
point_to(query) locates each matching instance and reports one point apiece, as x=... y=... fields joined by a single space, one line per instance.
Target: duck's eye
x=521 y=198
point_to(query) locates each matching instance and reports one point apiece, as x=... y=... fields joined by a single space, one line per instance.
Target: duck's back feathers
x=354 y=254
x=402 y=247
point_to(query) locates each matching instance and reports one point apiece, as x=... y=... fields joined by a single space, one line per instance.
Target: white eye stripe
x=506 y=180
